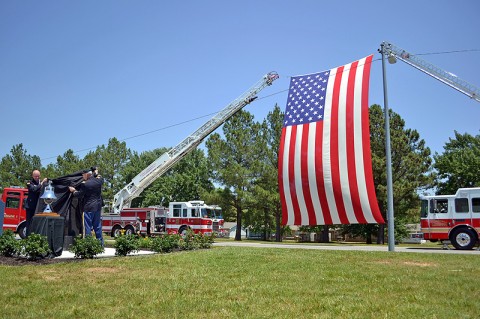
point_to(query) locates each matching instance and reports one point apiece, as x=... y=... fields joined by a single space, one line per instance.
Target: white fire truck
x=180 y=216
x=453 y=218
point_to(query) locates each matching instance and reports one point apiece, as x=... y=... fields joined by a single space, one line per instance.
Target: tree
x=110 y=160
x=233 y=160
x=187 y=180
x=16 y=168
x=266 y=198
x=459 y=165
x=66 y=164
x=411 y=167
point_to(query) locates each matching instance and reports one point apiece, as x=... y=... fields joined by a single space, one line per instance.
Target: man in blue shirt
x=91 y=192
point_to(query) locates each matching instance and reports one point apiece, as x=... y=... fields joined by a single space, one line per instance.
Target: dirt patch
x=413 y=263
x=408 y=263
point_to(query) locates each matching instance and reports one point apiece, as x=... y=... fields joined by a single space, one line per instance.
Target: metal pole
x=388 y=153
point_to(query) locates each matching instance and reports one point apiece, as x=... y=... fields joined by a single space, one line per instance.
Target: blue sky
x=75 y=73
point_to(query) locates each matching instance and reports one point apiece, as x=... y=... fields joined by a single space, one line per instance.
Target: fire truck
x=14 y=213
x=177 y=219
x=180 y=216
x=452 y=218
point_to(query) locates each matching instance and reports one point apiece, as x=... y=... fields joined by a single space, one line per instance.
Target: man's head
x=36 y=175
x=86 y=173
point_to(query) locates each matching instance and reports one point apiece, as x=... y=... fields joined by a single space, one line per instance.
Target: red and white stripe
x=325 y=170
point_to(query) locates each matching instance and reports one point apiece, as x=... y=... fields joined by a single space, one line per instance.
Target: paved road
x=419 y=249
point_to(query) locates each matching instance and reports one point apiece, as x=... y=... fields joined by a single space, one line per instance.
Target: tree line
x=238 y=171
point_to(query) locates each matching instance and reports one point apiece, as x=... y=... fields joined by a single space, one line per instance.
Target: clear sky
x=75 y=73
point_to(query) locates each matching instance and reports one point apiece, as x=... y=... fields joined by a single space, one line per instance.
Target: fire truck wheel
x=183 y=230
x=116 y=231
x=463 y=238
x=22 y=231
x=129 y=230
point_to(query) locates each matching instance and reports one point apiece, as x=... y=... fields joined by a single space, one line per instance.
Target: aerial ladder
x=391 y=51
x=156 y=169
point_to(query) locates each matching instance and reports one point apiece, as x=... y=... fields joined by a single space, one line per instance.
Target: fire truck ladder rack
x=443 y=76
x=125 y=196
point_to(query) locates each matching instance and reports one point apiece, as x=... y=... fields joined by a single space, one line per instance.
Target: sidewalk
x=109 y=252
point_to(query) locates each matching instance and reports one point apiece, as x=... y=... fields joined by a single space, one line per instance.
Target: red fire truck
x=177 y=219
x=453 y=218
x=15 y=215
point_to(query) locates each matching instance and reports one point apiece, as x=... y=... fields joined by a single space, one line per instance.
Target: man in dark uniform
x=34 y=186
x=91 y=192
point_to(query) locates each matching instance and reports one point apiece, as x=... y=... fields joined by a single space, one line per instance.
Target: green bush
x=9 y=246
x=204 y=242
x=145 y=242
x=188 y=242
x=126 y=244
x=86 y=248
x=35 y=246
x=165 y=244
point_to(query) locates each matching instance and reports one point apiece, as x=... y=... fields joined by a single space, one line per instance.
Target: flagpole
x=388 y=153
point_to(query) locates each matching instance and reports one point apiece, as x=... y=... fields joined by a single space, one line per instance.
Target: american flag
x=325 y=169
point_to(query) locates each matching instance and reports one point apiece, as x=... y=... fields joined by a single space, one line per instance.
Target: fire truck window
x=476 y=205
x=176 y=210
x=461 y=205
x=442 y=206
x=185 y=212
x=12 y=202
x=423 y=209
x=194 y=212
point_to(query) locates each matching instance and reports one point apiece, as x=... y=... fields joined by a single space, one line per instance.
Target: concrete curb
x=109 y=252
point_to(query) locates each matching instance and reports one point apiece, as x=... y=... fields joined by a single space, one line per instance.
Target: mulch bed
x=19 y=261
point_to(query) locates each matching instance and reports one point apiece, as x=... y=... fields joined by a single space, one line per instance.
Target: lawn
x=242 y=282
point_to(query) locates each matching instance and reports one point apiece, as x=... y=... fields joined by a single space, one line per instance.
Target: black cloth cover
x=53 y=228
x=70 y=208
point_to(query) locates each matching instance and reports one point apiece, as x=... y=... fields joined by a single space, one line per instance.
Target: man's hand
x=72 y=189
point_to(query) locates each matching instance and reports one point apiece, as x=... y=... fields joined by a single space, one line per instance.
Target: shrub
x=188 y=241
x=204 y=242
x=9 y=246
x=126 y=244
x=165 y=244
x=86 y=248
x=145 y=242
x=35 y=246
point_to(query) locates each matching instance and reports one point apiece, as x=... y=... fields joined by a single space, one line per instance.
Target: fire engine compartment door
x=462 y=213
x=439 y=215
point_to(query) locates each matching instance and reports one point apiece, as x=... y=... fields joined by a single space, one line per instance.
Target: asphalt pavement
x=373 y=247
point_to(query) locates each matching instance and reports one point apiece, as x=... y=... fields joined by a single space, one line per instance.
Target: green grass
x=238 y=282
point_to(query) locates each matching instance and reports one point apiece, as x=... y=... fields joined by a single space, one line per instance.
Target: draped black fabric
x=66 y=205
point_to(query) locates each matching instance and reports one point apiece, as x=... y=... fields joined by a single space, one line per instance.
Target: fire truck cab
x=15 y=215
x=454 y=218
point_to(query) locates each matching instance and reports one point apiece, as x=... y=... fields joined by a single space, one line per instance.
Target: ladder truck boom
x=125 y=196
x=448 y=78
